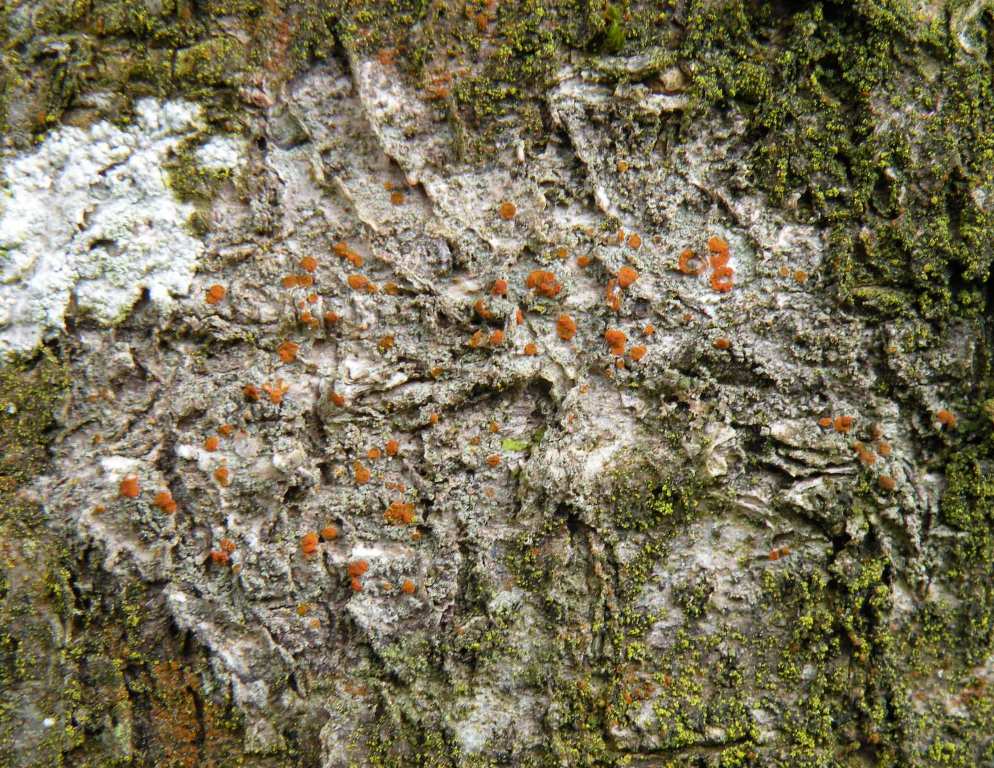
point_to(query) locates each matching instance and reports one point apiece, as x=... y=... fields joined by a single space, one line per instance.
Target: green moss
x=819 y=85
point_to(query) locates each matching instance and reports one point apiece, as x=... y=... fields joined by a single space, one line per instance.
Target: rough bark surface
x=478 y=384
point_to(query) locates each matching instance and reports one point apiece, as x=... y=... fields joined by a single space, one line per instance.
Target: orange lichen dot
x=634 y=242
x=649 y=329
x=408 y=587
x=164 y=501
x=308 y=263
x=392 y=447
x=216 y=294
x=721 y=279
x=309 y=543
x=329 y=533
x=251 y=392
x=493 y=459
x=226 y=430
x=718 y=245
x=583 y=261
x=337 y=399
x=637 y=353
x=360 y=472
x=690 y=263
x=946 y=418
x=399 y=512
x=507 y=210
x=477 y=339
x=397 y=197
x=843 y=424
x=531 y=349
x=386 y=343
x=358 y=282
x=227 y=545
x=288 y=351
x=499 y=288
x=611 y=297
x=544 y=282
x=627 y=276
x=616 y=340
x=373 y=454
x=496 y=338
x=480 y=307
x=566 y=327
x=825 y=422
x=884 y=448
x=212 y=443
x=887 y=483
x=130 y=487
x=222 y=475
x=722 y=343
x=218 y=557
x=276 y=390
x=357 y=568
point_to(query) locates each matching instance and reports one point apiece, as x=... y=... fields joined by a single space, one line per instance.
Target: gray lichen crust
x=484 y=385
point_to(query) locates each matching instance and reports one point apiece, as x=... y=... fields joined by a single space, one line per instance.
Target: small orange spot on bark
x=223 y=476
x=276 y=390
x=288 y=351
x=309 y=543
x=627 y=276
x=218 y=557
x=531 y=349
x=212 y=443
x=496 y=338
x=216 y=294
x=408 y=587
x=164 y=501
x=361 y=473
x=543 y=282
x=400 y=512
x=499 y=288
x=721 y=279
x=493 y=460
x=634 y=241
x=358 y=282
x=637 y=353
x=887 y=483
x=130 y=487
x=507 y=210
x=392 y=448
x=308 y=263
x=722 y=343
x=616 y=340
x=329 y=533
x=843 y=424
x=946 y=418
x=251 y=392
x=566 y=327
x=825 y=422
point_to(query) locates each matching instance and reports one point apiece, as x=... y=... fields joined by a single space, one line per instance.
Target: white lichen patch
x=88 y=216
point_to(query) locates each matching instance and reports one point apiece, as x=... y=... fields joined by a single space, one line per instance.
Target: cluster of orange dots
x=777 y=552
x=722 y=275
